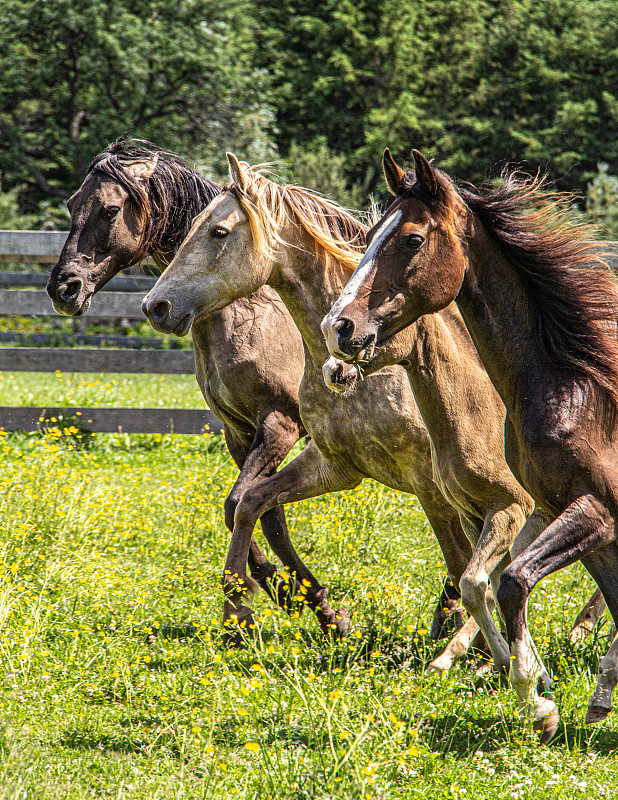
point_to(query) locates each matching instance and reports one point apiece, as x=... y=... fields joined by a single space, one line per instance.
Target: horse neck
x=494 y=305
x=308 y=287
x=446 y=373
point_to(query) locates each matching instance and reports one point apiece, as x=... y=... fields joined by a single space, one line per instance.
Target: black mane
x=175 y=194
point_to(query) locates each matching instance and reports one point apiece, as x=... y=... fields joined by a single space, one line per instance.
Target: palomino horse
x=542 y=311
x=138 y=200
x=305 y=247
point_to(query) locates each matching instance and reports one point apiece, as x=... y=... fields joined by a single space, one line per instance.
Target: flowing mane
x=176 y=193
x=334 y=232
x=572 y=294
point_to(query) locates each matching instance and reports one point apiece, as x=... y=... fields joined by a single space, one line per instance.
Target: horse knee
x=512 y=593
x=473 y=592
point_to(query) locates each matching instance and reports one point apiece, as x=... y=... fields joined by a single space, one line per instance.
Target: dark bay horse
x=138 y=200
x=258 y=232
x=542 y=309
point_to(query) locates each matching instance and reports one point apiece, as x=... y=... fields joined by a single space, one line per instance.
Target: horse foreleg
x=583 y=526
x=308 y=475
x=490 y=557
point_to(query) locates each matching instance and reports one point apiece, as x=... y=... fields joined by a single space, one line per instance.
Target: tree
x=474 y=83
x=602 y=202
x=79 y=73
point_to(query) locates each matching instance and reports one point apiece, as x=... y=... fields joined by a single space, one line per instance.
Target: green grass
x=112 y=547
x=99 y=390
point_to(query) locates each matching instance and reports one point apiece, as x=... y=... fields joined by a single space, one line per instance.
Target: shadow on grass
x=84 y=740
x=462 y=734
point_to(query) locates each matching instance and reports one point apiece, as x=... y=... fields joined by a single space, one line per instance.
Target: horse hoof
x=545 y=686
x=596 y=713
x=339 y=625
x=439 y=666
x=547 y=726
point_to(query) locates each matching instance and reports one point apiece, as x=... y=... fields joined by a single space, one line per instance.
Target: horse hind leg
x=588 y=617
x=583 y=526
x=603 y=566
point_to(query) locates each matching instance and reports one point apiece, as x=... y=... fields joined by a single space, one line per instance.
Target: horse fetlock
x=453 y=652
x=336 y=624
x=333 y=622
x=545 y=686
x=448 y=617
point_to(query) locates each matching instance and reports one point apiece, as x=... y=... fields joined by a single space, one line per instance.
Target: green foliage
x=318 y=167
x=474 y=84
x=77 y=74
x=602 y=202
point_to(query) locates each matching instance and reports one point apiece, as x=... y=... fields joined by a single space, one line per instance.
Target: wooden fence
x=24 y=295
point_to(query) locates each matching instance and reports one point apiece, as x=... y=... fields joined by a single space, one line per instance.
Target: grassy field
x=102 y=390
x=114 y=682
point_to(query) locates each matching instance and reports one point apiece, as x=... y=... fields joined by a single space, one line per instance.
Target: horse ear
x=236 y=173
x=425 y=174
x=392 y=173
x=142 y=170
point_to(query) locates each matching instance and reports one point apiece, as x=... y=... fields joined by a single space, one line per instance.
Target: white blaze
x=362 y=271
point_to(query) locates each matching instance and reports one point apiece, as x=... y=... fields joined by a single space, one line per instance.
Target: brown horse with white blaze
x=542 y=310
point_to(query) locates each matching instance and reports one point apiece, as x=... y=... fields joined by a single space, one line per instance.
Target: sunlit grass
x=99 y=390
x=115 y=683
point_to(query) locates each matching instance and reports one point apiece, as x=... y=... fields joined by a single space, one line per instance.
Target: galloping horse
x=138 y=200
x=306 y=247
x=542 y=310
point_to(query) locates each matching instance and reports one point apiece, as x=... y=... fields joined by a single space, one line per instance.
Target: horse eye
x=111 y=212
x=219 y=233
x=412 y=241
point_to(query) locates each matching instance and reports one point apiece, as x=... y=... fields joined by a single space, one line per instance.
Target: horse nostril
x=337 y=370
x=71 y=291
x=160 y=311
x=344 y=328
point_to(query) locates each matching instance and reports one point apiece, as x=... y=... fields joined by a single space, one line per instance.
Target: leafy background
x=325 y=86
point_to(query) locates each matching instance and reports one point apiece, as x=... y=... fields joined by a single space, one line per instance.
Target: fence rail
x=120 y=298
x=20 y=294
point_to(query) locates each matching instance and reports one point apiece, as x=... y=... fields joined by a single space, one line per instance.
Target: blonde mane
x=333 y=231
